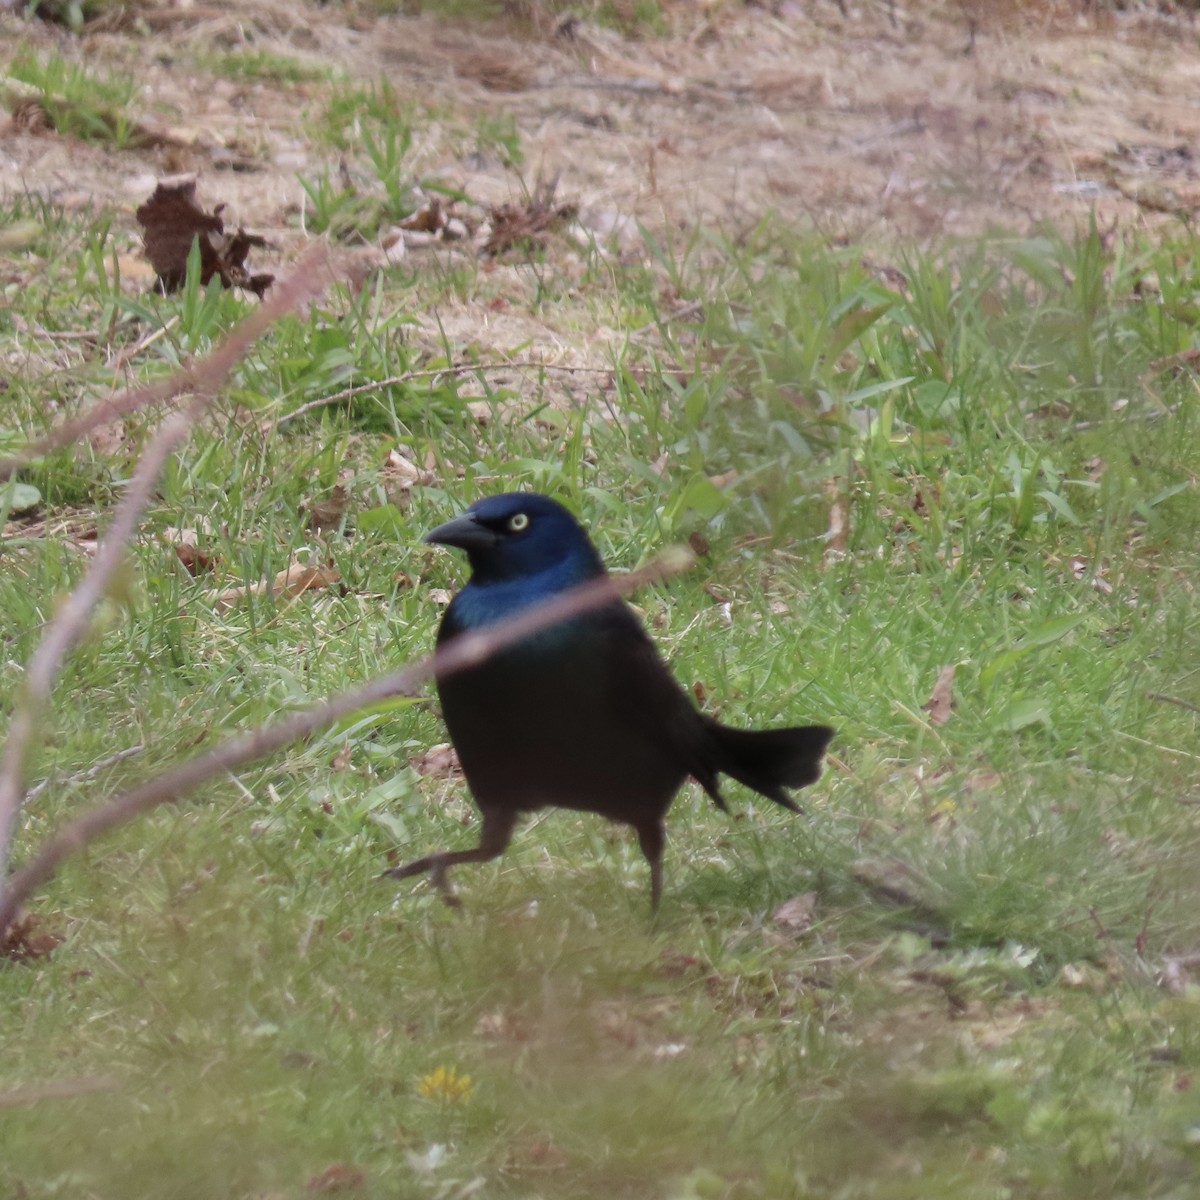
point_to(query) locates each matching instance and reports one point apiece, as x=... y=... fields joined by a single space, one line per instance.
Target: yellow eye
x=517 y=522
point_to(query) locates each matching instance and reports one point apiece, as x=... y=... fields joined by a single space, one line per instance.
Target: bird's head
x=520 y=534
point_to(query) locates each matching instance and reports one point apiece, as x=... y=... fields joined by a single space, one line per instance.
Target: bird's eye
x=517 y=522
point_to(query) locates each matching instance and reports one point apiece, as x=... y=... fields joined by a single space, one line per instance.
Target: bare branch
x=465 y=651
x=311 y=275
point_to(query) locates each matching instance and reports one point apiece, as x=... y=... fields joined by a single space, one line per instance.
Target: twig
x=377 y=385
x=309 y=278
x=465 y=651
x=91 y=773
x=1173 y=700
x=62 y=1089
x=1129 y=737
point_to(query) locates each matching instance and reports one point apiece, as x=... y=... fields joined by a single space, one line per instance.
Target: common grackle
x=583 y=714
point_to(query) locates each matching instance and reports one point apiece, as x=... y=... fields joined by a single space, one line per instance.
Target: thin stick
x=91 y=773
x=309 y=278
x=62 y=1089
x=377 y=385
x=1173 y=700
x=1129 y=737
x=465 y=651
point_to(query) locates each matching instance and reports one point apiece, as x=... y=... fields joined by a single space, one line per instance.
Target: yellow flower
x=445 y=1084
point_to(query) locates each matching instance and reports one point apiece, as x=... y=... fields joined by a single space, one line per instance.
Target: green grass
x=262 y=66
x=79 y=103
x=1017 y=478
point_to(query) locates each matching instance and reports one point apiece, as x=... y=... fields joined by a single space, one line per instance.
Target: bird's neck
x=486 y=600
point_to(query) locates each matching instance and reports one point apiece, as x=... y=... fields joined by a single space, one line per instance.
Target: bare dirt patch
x=879 y=124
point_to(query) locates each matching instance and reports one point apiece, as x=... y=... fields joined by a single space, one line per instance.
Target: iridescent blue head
x=520 y=535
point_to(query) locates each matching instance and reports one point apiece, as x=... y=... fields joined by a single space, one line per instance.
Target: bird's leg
x=494 y=837
x=652 y=838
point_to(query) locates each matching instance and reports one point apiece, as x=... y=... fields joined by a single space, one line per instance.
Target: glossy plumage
x=584 y=714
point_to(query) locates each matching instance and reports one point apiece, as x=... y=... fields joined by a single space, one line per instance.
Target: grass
x=1014 y=465
x=88 y=105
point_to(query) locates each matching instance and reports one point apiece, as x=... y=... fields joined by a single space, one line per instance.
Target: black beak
x=466 y=532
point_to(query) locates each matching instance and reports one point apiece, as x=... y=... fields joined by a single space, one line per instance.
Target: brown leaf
x=796 y=914
x=327 y=513
x=30 y=116
x=171 y=221
x=528 y=226
x=536 y=1152
x=341 y=760
x=500 y=1026
x=429 y=218
x=839 y=520
x=494 y=72
x=337 y=1177
x=941 y=699
x=27 y=939
x=400 y=473
x=295 y=578
x=440 y=761
x=194 y=562
x=893 y=882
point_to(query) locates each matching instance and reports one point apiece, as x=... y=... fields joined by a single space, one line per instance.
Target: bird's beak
x=466 y=532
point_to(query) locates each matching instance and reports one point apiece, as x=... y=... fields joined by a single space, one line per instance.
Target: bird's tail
x=767 y=760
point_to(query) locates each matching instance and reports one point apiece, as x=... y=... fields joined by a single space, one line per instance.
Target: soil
x=880 y=123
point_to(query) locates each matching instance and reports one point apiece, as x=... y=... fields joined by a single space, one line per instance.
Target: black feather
x=584 y=714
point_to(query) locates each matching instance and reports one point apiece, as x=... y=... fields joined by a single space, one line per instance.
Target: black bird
x=583 y=714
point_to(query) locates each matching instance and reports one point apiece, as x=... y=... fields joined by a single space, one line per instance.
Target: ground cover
x=925 y=411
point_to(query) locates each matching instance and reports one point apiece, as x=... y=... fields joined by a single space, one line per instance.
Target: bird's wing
x=641 y=691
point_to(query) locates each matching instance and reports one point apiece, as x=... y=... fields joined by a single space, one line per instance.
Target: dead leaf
x=401 y=474
x=295 y=578
x=894 y=882
x=108 y=440
x=429 y=218
x=337 y=1177
x=839 y=521
x=30 y=116
x=499 y=1026
x=27 y=940
x=535 y=1153
x=440 y=761
x=796 y=914
x=171 y=221
x=494 y=72
x=1079 y=568
x=941 y=699
x=194 y=562
x=328 y=512
x=528 y=226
